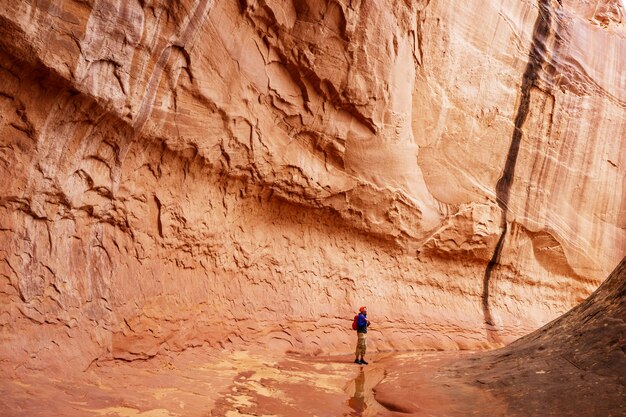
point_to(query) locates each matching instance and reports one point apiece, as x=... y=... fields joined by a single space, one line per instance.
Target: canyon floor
x=199 y=382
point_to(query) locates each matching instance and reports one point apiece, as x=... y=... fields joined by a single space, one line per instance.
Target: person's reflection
x=357 y=402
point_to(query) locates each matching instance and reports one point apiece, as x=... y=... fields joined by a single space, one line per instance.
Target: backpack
x=354 y=322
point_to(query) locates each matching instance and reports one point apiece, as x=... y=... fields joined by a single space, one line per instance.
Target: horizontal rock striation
x=575 y=365
x=247 y=173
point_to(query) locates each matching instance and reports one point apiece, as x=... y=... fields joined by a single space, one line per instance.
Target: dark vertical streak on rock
x=159 y=223
x=536 y=60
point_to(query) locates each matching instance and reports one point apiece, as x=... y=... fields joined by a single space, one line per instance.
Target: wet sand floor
x=204 y=383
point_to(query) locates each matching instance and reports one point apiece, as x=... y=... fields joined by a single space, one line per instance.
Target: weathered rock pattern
x=247 y=173
x=575 y=365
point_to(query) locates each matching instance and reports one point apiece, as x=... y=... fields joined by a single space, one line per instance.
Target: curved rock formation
x=247 y=173
x=575 y=365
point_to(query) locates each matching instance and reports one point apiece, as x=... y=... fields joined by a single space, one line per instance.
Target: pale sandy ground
x=206 y=383
x=199 y=383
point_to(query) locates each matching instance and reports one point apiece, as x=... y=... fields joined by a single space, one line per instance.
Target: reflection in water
x=357 y=402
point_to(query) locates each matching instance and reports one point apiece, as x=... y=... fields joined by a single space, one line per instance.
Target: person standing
x=361 y=330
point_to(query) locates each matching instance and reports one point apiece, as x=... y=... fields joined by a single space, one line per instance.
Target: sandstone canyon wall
x=574 y=365
x=248 y=173
x=585 y=347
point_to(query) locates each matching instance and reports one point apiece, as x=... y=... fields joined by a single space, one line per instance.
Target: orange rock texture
x=574 y=365
x=247 y=173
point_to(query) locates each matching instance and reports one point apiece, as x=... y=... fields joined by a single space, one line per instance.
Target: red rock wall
x=248 y=173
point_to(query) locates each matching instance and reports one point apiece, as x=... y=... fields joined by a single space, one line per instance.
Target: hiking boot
x=362 y=362
x=358 y=362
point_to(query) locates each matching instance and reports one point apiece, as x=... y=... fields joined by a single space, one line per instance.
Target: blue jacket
x=361 y=323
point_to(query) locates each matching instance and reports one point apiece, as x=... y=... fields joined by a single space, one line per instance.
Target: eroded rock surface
x=226 y=173
x=575 y=365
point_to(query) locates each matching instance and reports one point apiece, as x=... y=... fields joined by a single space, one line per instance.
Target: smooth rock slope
x=575 y=365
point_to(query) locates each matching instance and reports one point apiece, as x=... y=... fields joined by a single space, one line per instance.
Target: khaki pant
x=361 y=345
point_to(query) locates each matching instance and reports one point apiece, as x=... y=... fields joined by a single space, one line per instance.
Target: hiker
x=361 y=329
